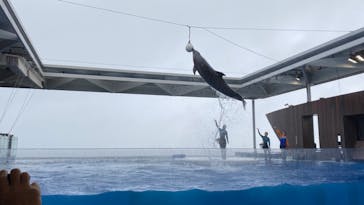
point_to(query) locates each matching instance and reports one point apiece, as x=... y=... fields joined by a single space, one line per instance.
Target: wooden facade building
x=340 y=122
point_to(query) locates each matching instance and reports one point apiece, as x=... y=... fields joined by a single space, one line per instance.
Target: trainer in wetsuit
x=282 y=138
x=266 y=140
x=223 y=136
x=222 y=140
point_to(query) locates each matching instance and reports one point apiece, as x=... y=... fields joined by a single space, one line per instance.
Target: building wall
x=336 y=115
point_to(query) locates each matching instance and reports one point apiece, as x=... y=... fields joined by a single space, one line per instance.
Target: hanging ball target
x=189 y=47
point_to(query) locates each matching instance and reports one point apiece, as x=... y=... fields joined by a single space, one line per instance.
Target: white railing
x=334 y=154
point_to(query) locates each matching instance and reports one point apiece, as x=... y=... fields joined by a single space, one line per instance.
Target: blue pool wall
x=337 y=193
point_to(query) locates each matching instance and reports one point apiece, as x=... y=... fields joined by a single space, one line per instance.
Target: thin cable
x=200 y=27
x=122 y=13
x=240 y=46
x=22 y=109
x=206 y=28
x=18 y=81
x=273 y=29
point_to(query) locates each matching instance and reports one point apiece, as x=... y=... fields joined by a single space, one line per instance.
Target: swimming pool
x=194 y=176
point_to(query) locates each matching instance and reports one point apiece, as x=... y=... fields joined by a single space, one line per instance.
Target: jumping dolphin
x=211 y=76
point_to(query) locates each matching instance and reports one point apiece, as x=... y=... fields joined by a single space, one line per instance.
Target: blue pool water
x=348 y=193
x=191 y=177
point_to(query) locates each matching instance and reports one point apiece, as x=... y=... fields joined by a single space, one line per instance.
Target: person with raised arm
x=223 y=139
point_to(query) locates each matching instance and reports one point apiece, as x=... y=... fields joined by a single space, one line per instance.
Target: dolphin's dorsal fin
x=220 y=74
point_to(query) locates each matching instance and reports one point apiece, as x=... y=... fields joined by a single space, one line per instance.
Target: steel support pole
x=308 y=91
x=308 y=82
x=253 y=115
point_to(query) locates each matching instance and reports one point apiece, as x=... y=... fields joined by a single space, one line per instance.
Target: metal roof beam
x=21 y=67
x=284 y=79
x=329 y=74
x=339 y=62
x=5 y=44
x=57 y=83
x=7 y=35
x=180 y=90
x=115 y=86
x=9 y=12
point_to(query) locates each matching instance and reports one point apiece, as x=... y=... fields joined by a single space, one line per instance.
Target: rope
x=189 y=33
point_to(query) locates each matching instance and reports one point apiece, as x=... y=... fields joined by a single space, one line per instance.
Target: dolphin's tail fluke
x=244 y=103
x=238 y=97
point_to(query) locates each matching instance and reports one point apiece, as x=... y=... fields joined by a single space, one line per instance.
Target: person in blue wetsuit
x=223 y=139
x=282 y=138
x=266 y=140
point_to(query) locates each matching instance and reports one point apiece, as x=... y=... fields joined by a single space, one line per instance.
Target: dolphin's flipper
x=220 y=74
x=194 y=70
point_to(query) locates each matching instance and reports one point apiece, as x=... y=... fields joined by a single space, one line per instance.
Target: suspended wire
x=123 y=13
x=22 y=109
x=274 y=29
x=240 y=46
x=9 y=99
x=206 y=28
x=12 y=95
x=173 y=23
x=201 y=27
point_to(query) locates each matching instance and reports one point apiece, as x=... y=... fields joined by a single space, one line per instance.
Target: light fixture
x=356 y=57
x=298 y=76
x=359 y=57
x=351 y=59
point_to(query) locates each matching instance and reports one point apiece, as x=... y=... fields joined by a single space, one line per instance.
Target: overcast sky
x=71 y=35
